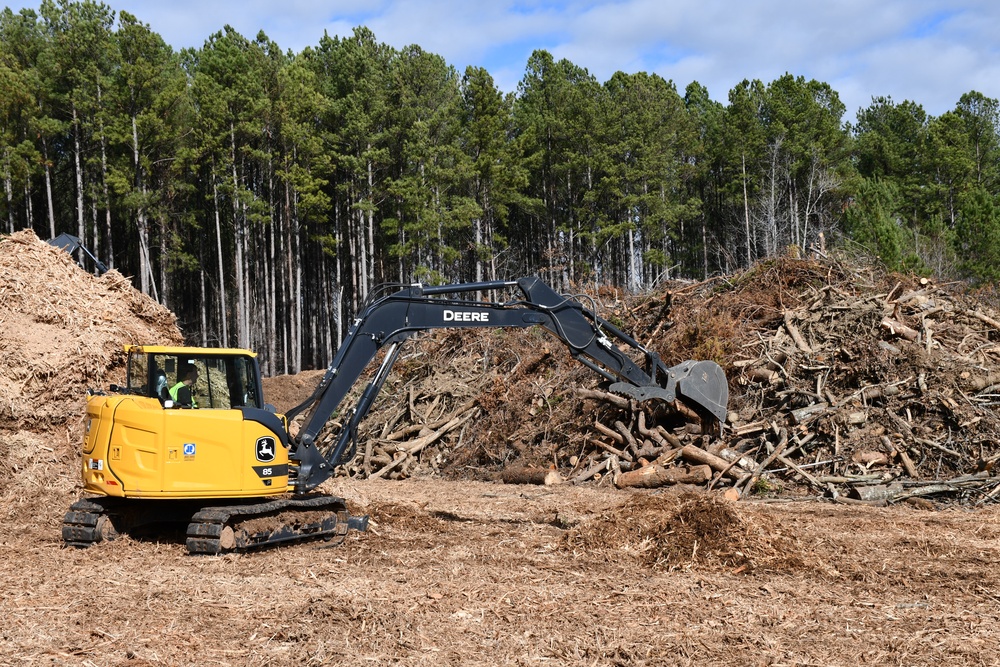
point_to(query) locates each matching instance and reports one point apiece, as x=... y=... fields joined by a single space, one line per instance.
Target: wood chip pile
x=62 y=331
x=845 y=382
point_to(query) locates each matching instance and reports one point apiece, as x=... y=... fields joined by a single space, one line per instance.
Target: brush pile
x=845 y=382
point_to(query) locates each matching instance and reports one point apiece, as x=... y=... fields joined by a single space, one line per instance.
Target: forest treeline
x=262 y=194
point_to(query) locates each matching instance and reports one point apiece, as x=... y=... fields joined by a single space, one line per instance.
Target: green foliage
x=977 y=236
x=871 y=220
x=243 y=185
x=765 y=487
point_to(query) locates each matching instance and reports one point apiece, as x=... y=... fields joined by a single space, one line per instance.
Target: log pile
x=856 y=389
x=845 y=382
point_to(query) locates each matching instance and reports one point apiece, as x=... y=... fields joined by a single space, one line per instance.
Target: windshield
x=220 y=382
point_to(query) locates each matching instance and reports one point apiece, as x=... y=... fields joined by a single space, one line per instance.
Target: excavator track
x=213 y=529
x=217 y=530
x=87 y=523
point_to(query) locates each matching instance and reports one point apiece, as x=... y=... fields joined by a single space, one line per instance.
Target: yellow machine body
x=139 y=444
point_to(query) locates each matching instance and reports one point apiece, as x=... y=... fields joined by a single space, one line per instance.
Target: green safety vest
x=176 y=389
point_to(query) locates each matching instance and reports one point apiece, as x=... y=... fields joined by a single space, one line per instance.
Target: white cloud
x=929 y=51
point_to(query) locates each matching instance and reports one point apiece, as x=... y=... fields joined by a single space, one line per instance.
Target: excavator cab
x=142 y=443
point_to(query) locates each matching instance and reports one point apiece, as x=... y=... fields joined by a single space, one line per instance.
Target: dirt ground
x=457 y=570
x=479 y=573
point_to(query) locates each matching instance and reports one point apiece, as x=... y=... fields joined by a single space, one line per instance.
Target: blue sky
x=927 y=51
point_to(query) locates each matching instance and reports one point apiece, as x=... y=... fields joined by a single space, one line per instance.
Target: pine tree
x=977 y=236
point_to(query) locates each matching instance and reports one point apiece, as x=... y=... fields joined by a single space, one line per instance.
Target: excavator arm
x=389 y=320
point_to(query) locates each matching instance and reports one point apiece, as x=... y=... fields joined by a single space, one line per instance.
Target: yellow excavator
x=189 y=439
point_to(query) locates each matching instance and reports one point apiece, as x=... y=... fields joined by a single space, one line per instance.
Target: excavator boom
x=388 y=320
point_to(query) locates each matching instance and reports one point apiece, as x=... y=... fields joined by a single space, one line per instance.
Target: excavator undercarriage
x=213 y=529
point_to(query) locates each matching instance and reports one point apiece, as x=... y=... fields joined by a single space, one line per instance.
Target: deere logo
x=465 y=316
x=265 y=449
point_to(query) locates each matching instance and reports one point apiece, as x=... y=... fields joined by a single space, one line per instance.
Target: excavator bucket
x=703 y=384
x=700 y=384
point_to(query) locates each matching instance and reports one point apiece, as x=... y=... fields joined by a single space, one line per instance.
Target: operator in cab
x=181 y=393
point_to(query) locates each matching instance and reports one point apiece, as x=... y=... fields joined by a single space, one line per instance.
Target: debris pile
x=681 y=530
x=845 y=381
x=858 y=385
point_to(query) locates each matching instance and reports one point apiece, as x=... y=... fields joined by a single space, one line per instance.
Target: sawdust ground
x=479 y=573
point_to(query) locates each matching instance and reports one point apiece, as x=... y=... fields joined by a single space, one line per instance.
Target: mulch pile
x=685 y=529
x=62 y=332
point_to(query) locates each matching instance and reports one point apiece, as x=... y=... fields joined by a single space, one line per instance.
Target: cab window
x=223 y=382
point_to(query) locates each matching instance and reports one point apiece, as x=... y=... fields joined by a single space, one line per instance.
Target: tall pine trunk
x=142 y=223
x=239 y=231
x=48 y=188
x=203 y=302
x=107 y=199
x=223 y=319
x=8 y=188
x=80 y=225
x=746 y=209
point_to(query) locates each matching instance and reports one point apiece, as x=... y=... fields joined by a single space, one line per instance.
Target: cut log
x=524 y=476
x=699 y=455
x=750 y=429
x=613 y=399
x=807 y=413
x=627 y=437
x=876 y=392
x=793 y=331
x=875 y=491
x=983 y=317
x=611 y=433
x=868 y=458
x=622 y=454
x=763 y=376
x=899 y=329
x=652 y=434
x=653 y=476
x=591 y=472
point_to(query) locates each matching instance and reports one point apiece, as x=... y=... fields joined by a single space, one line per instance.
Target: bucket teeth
x=700 y=384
